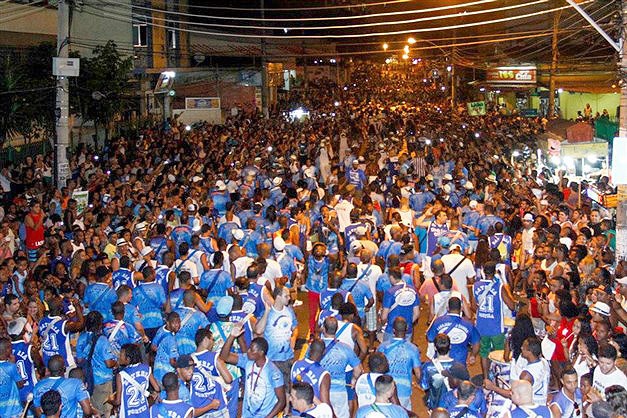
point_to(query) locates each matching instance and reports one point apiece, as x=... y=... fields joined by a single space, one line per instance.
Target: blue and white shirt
x=460 y=331
x=134 y=402
x=56 y=340
x=149 y=299
x=72 y=392
x=278 y=332
x=378 y=409
x=191 y=321
x=309 y=371
x=10 y=405
x=403 y=357
x=337 y=359
x=102 y=353
x=172 y=409
x=400 y=299
x=259 y=387
x=25 y=367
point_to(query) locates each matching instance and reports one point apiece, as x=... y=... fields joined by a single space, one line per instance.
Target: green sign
x=476 y=108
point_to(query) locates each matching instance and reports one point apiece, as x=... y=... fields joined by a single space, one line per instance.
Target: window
x=172 y=41
x=140 y=35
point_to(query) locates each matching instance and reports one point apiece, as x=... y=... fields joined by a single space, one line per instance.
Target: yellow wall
x=570 y=103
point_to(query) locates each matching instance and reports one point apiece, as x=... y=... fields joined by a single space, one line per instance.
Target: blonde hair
x=587 y=266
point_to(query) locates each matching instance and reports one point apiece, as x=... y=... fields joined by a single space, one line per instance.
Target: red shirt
x=35 y=237
x=564 y=333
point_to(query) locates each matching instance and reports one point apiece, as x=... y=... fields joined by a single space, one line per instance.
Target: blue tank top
x=434 y=232
x=122 y=276
x=309 y=372
x=55 y=340
x=489 y=307
x=25 y=367
x=161 y=277
x=134 y=402
x=160 y=245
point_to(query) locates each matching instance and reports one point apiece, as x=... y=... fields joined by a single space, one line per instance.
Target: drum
x=498 y=406
x=499 y=369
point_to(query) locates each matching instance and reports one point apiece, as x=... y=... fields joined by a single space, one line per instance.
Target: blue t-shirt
x=55 y=340
x=361 y=293
x=336 y=360
x=102 y=353
x=122 y=276
x=191 y=321
x=457 y=410
x=478 y=405
x=259 y=387
x=217 y=282
x=400 y=299
x=25 y=366
x=327 y=295
x=489 y=299
x=10 y=406
x=172 y=409
x=126 y=334
x=149 y=299
x=72 y=392
x=279 y=333
x=317 y=274
x=167 y=349
x=403 y=357
x=205 y=388
x=308 y=371
x=540 y=411
x=99 y=297
x=566 y=405
x=377 y=409
x=460 y=331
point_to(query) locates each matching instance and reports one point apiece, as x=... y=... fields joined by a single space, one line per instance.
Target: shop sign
x=476 y=108
x=512 y=75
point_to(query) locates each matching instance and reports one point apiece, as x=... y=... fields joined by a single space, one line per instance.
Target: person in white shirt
x=606 y=373
x=302 y=400
x=364 y=387
x=460 y=268
x=273 y=268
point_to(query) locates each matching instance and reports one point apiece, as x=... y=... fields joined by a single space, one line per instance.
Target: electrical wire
x=291 y=9
x=23 y=11
x=300 y=19
x=123 y=18
x=3 y=93
x=362 y=25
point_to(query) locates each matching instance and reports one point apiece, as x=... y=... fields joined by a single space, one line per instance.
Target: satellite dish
x=199 y=58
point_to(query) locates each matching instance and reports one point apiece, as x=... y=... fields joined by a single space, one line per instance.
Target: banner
x=82 y=200
x=511 y=75
x=476 y=108
x=202 y=103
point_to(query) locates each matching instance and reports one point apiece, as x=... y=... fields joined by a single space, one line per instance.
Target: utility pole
x=264 y=65
x=62 y=140
x=621 y=210
x=556 y=22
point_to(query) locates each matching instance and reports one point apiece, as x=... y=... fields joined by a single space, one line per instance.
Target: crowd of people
x=385 y=219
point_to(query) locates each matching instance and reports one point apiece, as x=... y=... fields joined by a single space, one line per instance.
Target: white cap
x=120 y=242
x=447 y=189
x=453 y=246
x=279 y=243
x=172 y=178
x=469 y=186
x=196 y=179
x=277 y=181
x=361 y=159
x=447 y=176
x=429 y=177
x=191 y=208
x=310 y=172
x=238 y=234
x=16 y=326
x=220 y=185
x=141 y=226
x=355 y=246
x=528 y=217
x=473 y=204
x=360 y=231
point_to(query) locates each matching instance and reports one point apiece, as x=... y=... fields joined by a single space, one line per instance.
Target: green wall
x=570 y=103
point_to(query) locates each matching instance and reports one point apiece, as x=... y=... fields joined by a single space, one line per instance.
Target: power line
x=358 y=25
x=357 y=35
x=301 y=19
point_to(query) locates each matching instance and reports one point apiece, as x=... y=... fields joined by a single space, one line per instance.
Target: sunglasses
x=577 y=409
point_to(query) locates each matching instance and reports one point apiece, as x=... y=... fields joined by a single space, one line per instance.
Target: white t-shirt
x=184 y=265
x=365 y=392
x=601 y=381
x=321 y=410
x=343 y=209
x=241 y=265
x=461 y=273
x=370 y=277
x=273 y=271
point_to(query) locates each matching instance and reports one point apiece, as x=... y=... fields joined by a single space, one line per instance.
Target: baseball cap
x=469 y=186
x=279 y=243
x=191 y=208
x=528 y=217
x=220 y=185
x=184 y=360
x=224 y=306
x=600 y=308
x=238 y=234
x=444 y=241
x=457 y=371
x=453 y=246
x=622 y=281
x=473 y=204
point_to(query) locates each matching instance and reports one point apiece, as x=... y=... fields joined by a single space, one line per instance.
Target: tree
x=103 y=90
x=27 y=93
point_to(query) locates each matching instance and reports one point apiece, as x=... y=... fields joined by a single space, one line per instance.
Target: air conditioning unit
x=66 y=67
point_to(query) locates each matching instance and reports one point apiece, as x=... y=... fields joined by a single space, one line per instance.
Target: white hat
x=277 y=181
x=355 y=246
x=191 y=208
x=600 y=308
x=544 y=202
x=447 y=189
x=279 y=243
x=141 y=226
x=447 y=176
x=172 y=178
x=146 y=250
x=310 y=172
x=355 y=162
x=622 y=281
x=491 y=178
x=528 y=217
x=473 y=204
x=469 y=186
x=196 y=179
x=453 y=246
x=361 y=159
x=121 y=242
x=429 y=177
x=220 y=185
x=238 y=234
x=360 y=231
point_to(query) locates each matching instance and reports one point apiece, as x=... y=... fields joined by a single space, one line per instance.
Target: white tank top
x=440 y=302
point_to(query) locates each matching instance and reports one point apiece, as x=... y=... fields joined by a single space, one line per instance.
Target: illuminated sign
x=512 y=75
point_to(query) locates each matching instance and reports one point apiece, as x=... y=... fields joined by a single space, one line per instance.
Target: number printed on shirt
x=488 y=304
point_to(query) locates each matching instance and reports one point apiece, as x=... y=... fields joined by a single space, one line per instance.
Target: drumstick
x=29 y=400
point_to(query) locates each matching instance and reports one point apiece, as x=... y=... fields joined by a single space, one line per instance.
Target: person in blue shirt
x=10 y=382
x=150 y=299
x=131 y=312
x=466 y=393
x=337 y=358
x=359 y=289
x=27 y=358
x=55 y=330
x=486 y=223
x=215 y=281
x=279 y=325
x=123 y=275
x=73 y=393
x=99 y=295
x=172 y=406
x=309 y=370
x=51 y=404
x=522 y=396
x=391 y=247
x=133 y=383
x=335 y=282
x=457 y=374
x=165 y=346
x=381 y=407
x=356 y=176
x=191 y=321
x=461 y=332
x=118 y=331
x=317 y=278
x=568 y=401
x=264 y=389
x=433 y=381
x=404 y=360
x=102 y=360
x=399 y=300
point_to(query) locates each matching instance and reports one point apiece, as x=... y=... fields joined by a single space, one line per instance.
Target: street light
x=411 y=40
x=405 y=56
x=406 y=49
x=385 y=46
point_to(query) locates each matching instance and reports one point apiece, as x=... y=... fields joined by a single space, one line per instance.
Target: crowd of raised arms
x=293 y=267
